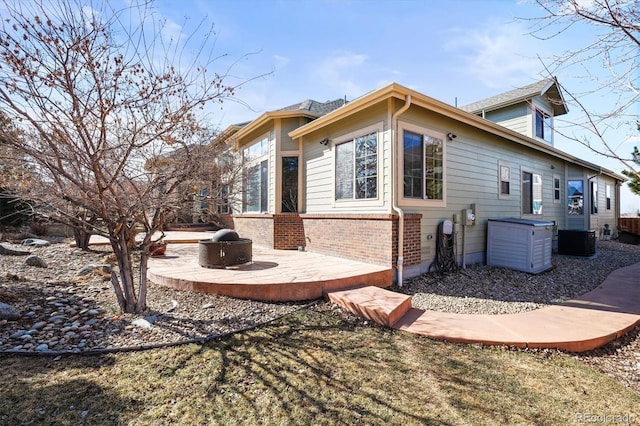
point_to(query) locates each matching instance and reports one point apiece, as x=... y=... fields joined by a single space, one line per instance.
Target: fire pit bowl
x=220 y=254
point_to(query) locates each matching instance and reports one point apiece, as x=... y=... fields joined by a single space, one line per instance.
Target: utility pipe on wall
x=395 y=179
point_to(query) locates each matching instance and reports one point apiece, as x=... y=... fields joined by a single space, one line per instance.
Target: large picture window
x=357 y=168
x=256 y=182
x=531 y=188
x=423 y=168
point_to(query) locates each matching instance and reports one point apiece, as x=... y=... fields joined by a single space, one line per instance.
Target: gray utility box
x=520 y=244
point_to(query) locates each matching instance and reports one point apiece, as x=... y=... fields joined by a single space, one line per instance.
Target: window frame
x=579 y=200
x=557 y=191
x=376 y=201
x=262 y=146
x=531 y=193
x=420 y=130
x=501 y=168
x=593 y=195
x=543 y=123
x=608 y=191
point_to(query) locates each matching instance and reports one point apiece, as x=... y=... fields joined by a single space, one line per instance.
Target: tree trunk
x=82 y=238
x=125 y=286
x=142 y=294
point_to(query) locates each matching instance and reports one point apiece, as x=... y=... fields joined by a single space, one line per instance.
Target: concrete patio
x=273 y=275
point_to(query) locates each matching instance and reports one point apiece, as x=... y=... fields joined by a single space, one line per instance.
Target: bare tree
x=609 y=64
x=99 y=95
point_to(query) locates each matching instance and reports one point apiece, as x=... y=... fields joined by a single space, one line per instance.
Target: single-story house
x=371 y=179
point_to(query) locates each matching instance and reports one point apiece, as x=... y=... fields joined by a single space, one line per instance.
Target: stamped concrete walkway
x=578 y=325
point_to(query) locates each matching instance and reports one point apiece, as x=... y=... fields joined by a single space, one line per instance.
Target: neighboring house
x=361 y=179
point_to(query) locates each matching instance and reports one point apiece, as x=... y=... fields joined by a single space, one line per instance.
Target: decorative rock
x=8 y=312
x=36 y=261
x=141 y=322
x=42 y=347
x=57 y=319
x=89 y=269
x=35 y=242
x=18 y=334
x=10 y=251
x=38 y=325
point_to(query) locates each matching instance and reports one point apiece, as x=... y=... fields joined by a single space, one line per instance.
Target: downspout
x=394 y=182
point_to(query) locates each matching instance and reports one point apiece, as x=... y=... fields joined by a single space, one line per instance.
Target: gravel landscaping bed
x=482 y=289
x=61 y=311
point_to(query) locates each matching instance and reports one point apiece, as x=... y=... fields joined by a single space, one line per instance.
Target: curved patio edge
x=578 y=325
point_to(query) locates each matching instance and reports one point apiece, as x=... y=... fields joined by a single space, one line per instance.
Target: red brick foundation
x=366 y=237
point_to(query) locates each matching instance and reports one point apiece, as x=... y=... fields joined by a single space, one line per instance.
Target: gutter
x=394 y=182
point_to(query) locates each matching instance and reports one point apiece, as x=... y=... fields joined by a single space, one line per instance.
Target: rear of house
x=372 y=179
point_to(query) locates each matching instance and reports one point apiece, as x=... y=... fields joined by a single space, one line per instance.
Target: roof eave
x=272 y=115
x=400 y=92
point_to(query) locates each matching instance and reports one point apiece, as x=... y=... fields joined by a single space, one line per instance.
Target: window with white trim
x=607 y=190
x=594 y=197
x=543 y=125
x=504 y=189
x=531 y=193
x=423 y=165
x=356 y=165
x=556 y=190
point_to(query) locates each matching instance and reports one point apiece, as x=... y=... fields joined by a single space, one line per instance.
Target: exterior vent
x=577 y=242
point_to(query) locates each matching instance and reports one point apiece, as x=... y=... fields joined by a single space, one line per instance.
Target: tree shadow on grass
x=43 y=391
x=310 y=368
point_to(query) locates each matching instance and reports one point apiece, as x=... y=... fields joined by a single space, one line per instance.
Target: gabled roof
x=548 y=88
x=395 y=90
x=320 y=108
x=309 y=108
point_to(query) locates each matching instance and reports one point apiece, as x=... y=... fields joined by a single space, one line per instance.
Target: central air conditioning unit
x=577 y=242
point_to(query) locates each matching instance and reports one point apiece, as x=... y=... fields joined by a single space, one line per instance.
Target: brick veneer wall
x=258 y=228
x=366 y=237
x=288 y=231
x=412 y=240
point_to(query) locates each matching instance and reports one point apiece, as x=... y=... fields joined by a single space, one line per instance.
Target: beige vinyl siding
x=597 y=221
x=288 y=125
x=319 y=163
x=515 y=117
x=472 y=178
x=607 y=216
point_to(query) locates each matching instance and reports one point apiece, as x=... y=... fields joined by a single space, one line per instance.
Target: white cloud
x=341 y=72
x=498 y=55
x=171 y=32
x=281 y=61
x=632 y=140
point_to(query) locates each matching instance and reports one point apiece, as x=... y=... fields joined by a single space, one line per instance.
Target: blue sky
x=456 y=51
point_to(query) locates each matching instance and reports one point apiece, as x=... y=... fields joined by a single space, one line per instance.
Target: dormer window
x=544 y=126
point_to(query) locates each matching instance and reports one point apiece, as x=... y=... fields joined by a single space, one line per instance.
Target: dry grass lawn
x=312 y=367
